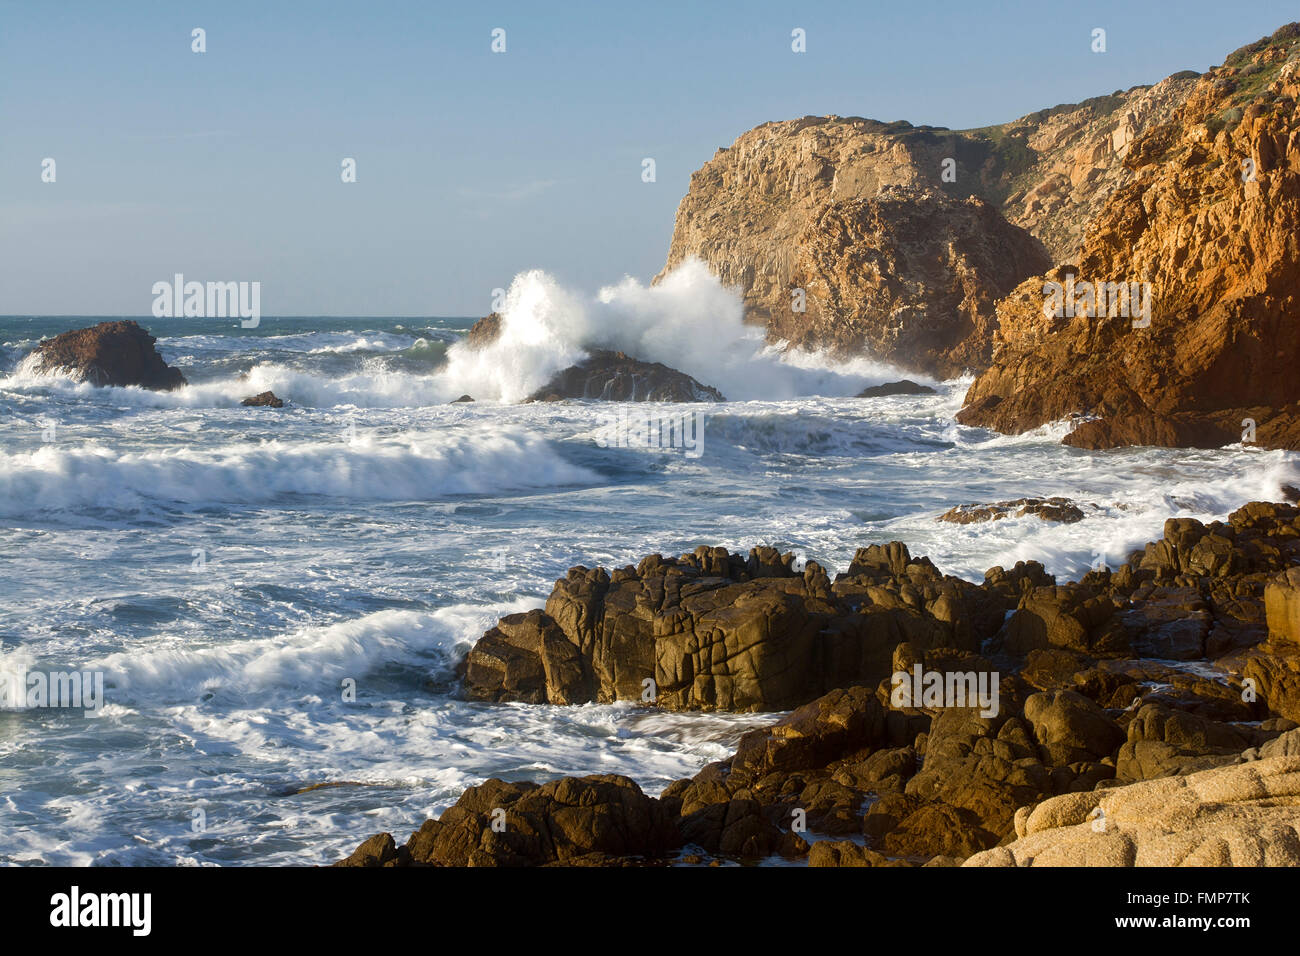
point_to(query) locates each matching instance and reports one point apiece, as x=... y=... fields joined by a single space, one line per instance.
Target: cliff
x=754 y=213
x=1209 y=221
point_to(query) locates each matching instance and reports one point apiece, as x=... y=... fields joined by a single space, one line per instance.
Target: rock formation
x=485 y=331
x=616 y=377
x=715 y=631
x=1243 y=815
x=909 y=275
x=1209 y=221
x=804 y=201
x=1091 y=712
x=1048 y=509
x=110 y=353
x=904 y=387
x=264 y=400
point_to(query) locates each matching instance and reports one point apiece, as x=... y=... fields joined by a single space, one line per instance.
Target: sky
x=472 y=166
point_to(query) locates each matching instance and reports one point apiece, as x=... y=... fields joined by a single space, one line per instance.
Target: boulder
x=1274 y=672
x=1282 y=606
x=573 y=820
x=903 y=387
x=986 y=765
x=1242 y=815
x=847 y=853
x=117 y=353
x=1162 y=742
x=263 y=400
x=616 y=377
x=485 y=331
x=527 y=658
x=1048 y=509
x=1071 y=728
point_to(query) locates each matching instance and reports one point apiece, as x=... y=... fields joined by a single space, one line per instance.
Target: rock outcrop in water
x=616 y=377
x=1093 y=710
x=1048 y=509
x=485 y=331
x=715 y=631
x=903 y=387
x=1209 y=220
x=263 y=400
x=110 y=353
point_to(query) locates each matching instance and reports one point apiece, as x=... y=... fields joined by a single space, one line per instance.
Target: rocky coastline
x=1144 y=714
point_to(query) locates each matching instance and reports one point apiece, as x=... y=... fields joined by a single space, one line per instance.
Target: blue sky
x=472 y=166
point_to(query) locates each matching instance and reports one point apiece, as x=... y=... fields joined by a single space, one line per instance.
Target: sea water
x=277 y=598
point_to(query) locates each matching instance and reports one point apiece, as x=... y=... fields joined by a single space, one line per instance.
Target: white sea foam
x=689 y=322
x=61 y=476
x=311 y=659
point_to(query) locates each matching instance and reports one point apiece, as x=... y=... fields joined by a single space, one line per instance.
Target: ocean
x=277 y=598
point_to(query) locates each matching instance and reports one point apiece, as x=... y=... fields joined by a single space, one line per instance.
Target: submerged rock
x=617 y=377
x=110 y=353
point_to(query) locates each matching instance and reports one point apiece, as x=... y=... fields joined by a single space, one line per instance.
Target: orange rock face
x=910 y=276
x=803 y=201
x=1211 y=221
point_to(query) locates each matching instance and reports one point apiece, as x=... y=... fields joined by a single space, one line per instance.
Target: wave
x=1126 y=496
x=314 y=658
x=419 y=468
x=374 y=384
x=689 y=321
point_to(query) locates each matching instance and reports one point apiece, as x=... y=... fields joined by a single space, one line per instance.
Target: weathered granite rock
x=750 y=207
x=1242 y=815
x=574 y=820
x=910 y=276
x=918 y=783
x=715 y=631
x=1282 y=606
x=1162 y=741
x=1071 y=728
x=485 y=331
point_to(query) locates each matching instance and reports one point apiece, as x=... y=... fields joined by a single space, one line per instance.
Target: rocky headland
x=919 y=245
x=1209 y=220
x=1146 y=714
